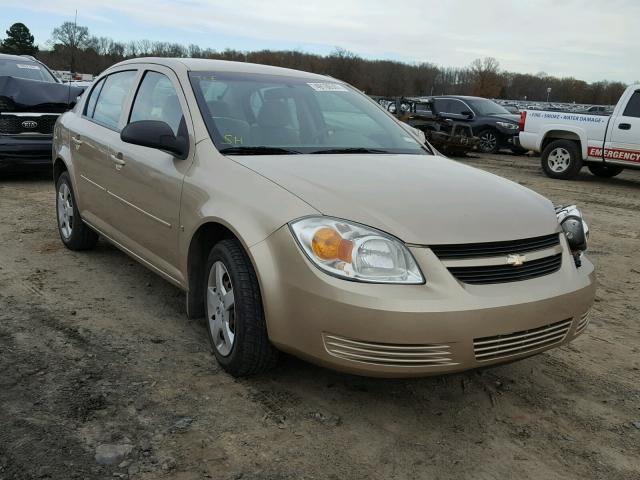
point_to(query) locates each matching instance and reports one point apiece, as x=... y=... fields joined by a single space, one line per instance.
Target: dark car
x=492 y=123
x=31 y=100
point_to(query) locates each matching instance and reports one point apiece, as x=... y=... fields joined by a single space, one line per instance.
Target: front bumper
x=25 y=151
x=415 y=330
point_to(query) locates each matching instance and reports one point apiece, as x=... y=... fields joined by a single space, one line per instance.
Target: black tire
x=519 y=150
x=489 y=141
x=251 y=351
x=561 y=159
x=605 y=171
x=75 y=234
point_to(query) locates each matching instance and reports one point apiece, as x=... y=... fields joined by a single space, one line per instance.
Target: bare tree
x=486 y=77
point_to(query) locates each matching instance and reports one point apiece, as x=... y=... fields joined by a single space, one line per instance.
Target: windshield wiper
x=261 y=150
x=351 y=150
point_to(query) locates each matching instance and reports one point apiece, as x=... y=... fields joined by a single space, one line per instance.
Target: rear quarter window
x=633 y=107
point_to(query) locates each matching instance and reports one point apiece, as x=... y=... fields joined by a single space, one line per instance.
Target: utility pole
x=73 y=45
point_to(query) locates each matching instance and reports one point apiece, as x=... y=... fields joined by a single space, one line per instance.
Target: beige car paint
x=152 y=205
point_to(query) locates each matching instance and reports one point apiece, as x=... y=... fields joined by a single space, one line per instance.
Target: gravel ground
x=102 y=376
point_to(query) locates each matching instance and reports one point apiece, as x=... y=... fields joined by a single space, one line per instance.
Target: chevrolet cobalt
x=299 y=216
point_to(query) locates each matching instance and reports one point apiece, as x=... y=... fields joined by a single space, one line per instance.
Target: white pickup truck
x=606 y=144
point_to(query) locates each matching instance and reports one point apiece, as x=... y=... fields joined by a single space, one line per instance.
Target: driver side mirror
x=155 y=134
x=467 y=113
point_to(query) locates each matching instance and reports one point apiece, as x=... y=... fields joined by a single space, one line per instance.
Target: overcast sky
x=587 y=39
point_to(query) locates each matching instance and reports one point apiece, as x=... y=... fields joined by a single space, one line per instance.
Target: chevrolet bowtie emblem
x=516 y=260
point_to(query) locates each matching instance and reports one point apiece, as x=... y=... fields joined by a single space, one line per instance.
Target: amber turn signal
x=328 y=244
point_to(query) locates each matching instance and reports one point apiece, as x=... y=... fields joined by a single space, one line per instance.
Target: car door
x=148 y=182
x=91 y=134
x=623 y=134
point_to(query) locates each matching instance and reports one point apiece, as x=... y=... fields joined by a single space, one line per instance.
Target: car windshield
x=25 y=69
x=482 y=106
x=257 y=114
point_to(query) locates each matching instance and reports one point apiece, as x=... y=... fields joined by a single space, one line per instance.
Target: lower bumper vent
x=517 y=343
x=583 y=322
x=392 y=355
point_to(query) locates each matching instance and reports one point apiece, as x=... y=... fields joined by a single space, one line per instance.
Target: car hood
x=24 y=95
x=511 y=117
x=419 y=199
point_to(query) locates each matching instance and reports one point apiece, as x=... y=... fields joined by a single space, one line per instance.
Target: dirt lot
x=97 y=359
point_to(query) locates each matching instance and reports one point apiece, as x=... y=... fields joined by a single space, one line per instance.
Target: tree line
x=73 y=48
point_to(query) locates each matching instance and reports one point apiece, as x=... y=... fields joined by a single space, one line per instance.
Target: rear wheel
x=74 y=233
x=606 y=171
x=234 y=314
x=561 y=160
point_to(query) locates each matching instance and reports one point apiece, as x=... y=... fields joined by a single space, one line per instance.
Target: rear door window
x=456 y=106
x=90 y=107
x=112 y=98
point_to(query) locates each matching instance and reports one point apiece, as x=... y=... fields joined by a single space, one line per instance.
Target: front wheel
x=488 y=141
x=74 y=233
x=561 y=160
x=234 y=314
x=605 y=171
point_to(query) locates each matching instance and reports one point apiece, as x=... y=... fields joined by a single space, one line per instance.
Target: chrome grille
x=517 y=343
x=392 y=355
x=495 y=249
x=583 y=322
x=484 y=274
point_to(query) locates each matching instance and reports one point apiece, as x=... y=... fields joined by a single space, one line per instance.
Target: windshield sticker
x=30 y=67
x=327 y=87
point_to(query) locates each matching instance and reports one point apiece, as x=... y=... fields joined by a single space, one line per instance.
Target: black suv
x=492 y=123
x=31 y=100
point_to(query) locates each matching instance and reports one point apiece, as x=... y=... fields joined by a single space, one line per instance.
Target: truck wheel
x=488 y=141
x=561 y=159
x=74 y=233
x=606 y=171
x=234 y=315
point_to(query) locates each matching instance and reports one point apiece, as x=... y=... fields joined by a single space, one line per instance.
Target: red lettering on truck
x=615 y=154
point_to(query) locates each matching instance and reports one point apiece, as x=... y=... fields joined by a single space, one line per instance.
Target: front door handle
x=624 y=126
x=118 y=160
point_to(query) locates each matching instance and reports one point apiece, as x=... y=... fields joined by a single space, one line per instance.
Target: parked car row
x=516 y=106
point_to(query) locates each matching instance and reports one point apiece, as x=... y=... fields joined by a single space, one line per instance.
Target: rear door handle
x=624 y=126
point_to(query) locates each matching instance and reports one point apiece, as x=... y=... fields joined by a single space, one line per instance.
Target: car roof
x=6 y=56
x=460 y=97
x=205 y=65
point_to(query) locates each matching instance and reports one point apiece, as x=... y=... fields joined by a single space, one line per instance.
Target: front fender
x=219 y=190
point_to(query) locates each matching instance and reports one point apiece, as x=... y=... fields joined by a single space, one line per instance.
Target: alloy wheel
x=559 y=160
x=221 y=308
x=488 y=142
x=65 y=210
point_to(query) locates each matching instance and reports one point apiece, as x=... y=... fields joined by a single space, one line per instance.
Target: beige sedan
x=299 y=216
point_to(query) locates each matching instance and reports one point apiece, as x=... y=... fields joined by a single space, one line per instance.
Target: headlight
x=508 y=126
x=355 y=252
x=575 y=229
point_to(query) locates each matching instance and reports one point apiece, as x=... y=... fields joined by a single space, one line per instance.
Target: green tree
x=19 y=41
